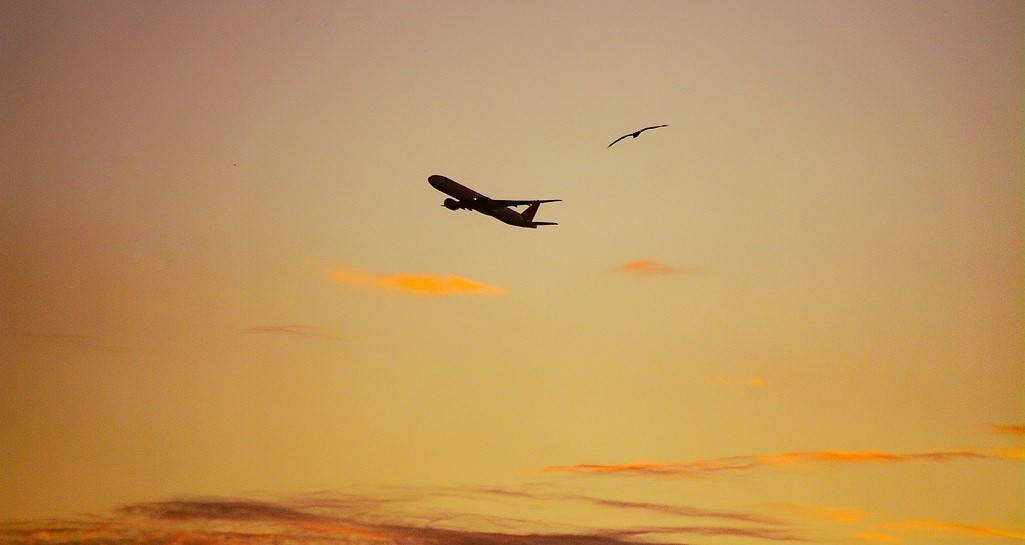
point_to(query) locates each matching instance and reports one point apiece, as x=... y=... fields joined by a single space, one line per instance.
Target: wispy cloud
x=651 y=267
x=403 y=516
x=19 y=286
x=770 y=534
x=820 y=512
x=878 y=537
x=69 y=339
x=753 y=382
x=354 y=519
x=337 y=529
x=420 y=284
x=650 y=507
x=296 y=330
x=217 y=509
x=694 y=468
x=951 y=527
x=1009 y=453
x=1009 y=429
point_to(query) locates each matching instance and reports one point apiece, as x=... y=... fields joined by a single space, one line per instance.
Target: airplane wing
x=500 y=203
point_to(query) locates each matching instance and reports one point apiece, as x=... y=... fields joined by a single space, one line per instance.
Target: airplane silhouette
x=468 y=199
x=635 y=134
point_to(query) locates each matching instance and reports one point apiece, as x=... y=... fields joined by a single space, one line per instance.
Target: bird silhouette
x=634 y=134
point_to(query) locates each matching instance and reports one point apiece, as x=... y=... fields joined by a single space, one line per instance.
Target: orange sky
x=233 y=309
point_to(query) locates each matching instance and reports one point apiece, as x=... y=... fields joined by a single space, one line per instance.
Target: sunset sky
x=233 y=310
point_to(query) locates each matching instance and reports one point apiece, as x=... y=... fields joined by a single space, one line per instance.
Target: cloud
x=356 y=520
x=753 y=382
x=821 y=512
x=216 y=509
x=403 y=518
x=1010 y=429
x=679 y=510
x=651 y=267
x=596 y=537
x=951 y=527
x=420 y=284
x=442 y=536
x=771 y=534
x=1009 y=453
x=68 y=339
x=695 y=468
x=297 y=330
x=321 y=527
x=634 y=468
x=656 y=508
x=802 y=458
x=204 y=521
x=879 y=537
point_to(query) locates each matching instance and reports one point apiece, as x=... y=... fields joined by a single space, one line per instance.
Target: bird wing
x=652 y=127
x=618 y=139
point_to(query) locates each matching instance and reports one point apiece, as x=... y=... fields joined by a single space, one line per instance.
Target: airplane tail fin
x=528 y=214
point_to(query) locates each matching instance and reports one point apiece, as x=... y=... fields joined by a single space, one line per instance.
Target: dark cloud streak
x=357 y=519
x=1009 y=429
x=216 y=509
x=70 y=339
x=296 y=330
x=657 y=508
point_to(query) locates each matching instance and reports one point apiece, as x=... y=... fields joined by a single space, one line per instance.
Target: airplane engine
x=451 y=204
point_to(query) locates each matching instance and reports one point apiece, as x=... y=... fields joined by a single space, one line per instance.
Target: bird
x=634 y=134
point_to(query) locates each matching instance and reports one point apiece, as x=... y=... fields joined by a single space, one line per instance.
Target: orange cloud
x=876 y=536
x=681 y=469
x=296 y=330
x=822 y=512
x=1009 y=453
x=652 y=267
x=753 y=382
x=420 y=284
x=941 y=526
x=1010 y=429
x=70 y=533
x=695 y=468
x=801 y=458
x=191 y=537
x=344 y=530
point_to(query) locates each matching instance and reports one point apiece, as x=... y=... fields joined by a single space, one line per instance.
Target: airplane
x=468 y=199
